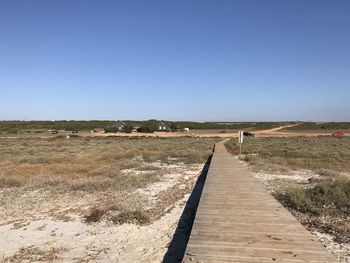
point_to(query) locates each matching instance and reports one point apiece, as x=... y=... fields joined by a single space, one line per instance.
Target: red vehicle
x=338 y=134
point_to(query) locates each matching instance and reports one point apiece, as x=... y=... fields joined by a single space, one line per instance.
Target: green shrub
x=146 y=129
x=326 y=126
x=326 y=197
x=111 y=129
x=173 y=127
x=12 y=131
x=128 y=128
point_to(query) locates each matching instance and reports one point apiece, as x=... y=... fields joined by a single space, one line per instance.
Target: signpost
x=240 y=141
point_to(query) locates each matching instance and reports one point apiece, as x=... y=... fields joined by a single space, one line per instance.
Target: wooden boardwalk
x=239 y=221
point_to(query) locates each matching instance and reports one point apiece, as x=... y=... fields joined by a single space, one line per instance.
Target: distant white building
x=162 y=126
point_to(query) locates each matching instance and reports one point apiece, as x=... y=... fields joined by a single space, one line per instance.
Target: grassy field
x=320 y=200
x=327 y=127
x=315 y=153
x=97 y=172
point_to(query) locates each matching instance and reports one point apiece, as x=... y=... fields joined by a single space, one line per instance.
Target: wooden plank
x=237 y=220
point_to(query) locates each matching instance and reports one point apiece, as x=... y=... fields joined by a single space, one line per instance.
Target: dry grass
x=96 y=174
x=91 y=164
x=314 y=153
x=32 y=253
x=117 y=214
x=123 y=213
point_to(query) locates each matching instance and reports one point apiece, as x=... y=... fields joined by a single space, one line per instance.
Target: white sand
x=95 y=243
x=33 y=238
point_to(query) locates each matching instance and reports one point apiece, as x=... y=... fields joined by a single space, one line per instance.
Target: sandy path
x=278 y=132
x=273 y=130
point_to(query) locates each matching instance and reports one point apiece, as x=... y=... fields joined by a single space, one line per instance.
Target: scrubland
x=106 y=188
x=323 y=127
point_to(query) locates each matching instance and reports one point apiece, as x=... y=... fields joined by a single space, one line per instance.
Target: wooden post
x=240 y=150
x=240 y=141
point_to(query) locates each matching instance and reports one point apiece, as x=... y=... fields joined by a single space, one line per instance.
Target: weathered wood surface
x=239 y=221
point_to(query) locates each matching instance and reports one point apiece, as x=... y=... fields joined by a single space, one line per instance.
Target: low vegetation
x=320 y=154
x=32 y=253
x=99 y=172
x=322 y=200
x=119 y=216
x=91 y=163
x=325 y=206
x=320 y=126
x=334 y=194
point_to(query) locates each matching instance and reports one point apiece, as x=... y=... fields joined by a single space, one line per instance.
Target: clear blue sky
x=219 y=60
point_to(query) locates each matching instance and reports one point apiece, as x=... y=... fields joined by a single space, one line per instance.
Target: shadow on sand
x=177 y=246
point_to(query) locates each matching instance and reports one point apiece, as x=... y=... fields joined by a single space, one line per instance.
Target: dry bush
x=34 y=254
x=118 y=215
x=328 y=173
x=131 y=217
x=6 y=182
x=91 y=184
x=95 y=214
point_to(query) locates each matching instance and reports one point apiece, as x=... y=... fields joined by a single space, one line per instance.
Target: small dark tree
x=111 y=129
x=173 y=126
x=146 y=128
x=128 y=128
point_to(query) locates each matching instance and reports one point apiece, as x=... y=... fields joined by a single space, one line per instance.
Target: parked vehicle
x=338 y=134
x=54 y=131
x=248 y=134
x=75 y=131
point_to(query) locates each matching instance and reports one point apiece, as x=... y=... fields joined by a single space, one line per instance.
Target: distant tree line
x=143 y=126
x=16 y=126
x=321 y=126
